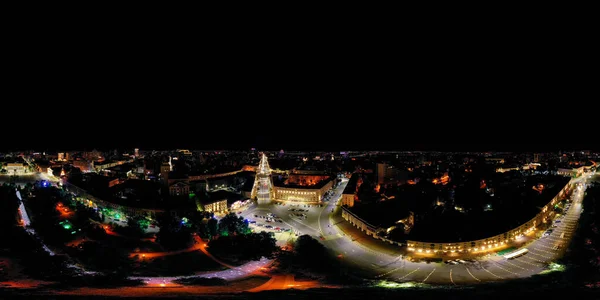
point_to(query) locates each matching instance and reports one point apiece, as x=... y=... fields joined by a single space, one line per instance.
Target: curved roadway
x=392 y=266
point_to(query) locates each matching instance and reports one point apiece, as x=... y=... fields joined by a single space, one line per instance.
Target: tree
x=243 y=247
x=173 y=234
x=307 y=247
x=139 y=222
x=212 y=227
x=231 y=224
x=310 y=255
x=104 y=258
x=198 y=222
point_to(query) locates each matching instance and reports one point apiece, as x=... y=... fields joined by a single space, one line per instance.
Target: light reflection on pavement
x=230 y=274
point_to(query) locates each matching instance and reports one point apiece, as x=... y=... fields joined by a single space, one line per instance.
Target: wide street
x=357 y=249
x=375 y=260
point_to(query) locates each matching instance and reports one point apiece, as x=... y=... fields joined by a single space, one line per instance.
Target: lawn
x=131 y=245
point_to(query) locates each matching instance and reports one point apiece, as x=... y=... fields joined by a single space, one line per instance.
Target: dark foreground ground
x=450 y=293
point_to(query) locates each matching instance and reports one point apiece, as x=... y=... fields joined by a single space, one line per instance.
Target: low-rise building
x=214 y=205
x=179 y=188
x=56 y=171
x=101 y=165
x=489 y=244
x=306 y=186
x=349 y=193
x=84 y=165
x=16 y=168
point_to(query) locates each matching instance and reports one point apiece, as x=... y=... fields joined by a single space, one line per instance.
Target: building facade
x=56 y=171
x=217 y=206
x=301 y=194
x=348 y=199
x=15 y=169
x=179 y=188
x=99 y=166
x=369 y=229
x=359 y=223
x=573 y=172
x=89 y=200
x=83 y=165
x=490 y=244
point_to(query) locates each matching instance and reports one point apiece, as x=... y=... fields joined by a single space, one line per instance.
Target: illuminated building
x=305 y=179
x=303 y=186
x=56 y=171
x=490 y=244
x=444 y=179
x=129 y=198
x=508 y=169
x=215 y=206
x=101 y=165
x=377 y=231
x=381 y=170
x=386 y=173
x=83 y=165
x=305 y=194
x=573 y=172
x=200 y=177
x=349 y=193
x=165 y=168
x=185 y=152
x=263 y=186
x=92 y=155
x=15 y=169
x=495 y=160
x=179 y=188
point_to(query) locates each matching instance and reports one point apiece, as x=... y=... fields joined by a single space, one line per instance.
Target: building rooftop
x=351 y=186
x=279 y=182
x=122 y=168
x=575 y=164
x=220 y=195
x=382 y=214
x=137 y=193
x=513 y=205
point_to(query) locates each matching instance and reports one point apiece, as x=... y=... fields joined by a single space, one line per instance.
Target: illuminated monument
x=263 y=187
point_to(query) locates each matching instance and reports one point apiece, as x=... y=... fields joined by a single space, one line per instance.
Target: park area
x=93 y=240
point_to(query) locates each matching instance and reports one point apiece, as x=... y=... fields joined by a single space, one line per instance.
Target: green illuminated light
x=554 y=267
x=397 y=285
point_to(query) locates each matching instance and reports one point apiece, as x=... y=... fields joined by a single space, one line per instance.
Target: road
x=321 y=224
x=389 y=265
x=235 y=273
x=282 y=282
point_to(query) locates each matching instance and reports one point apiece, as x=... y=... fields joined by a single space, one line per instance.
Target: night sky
x=487 y=98
x=227 y=129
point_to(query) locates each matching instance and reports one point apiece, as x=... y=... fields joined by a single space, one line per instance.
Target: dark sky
x=420 y=128
x=471 y=96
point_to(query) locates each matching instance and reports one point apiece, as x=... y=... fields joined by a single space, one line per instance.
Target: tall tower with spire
x=263 y=186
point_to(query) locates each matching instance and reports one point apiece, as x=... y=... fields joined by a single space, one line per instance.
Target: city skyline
x=274 y=142
x=245 y=221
